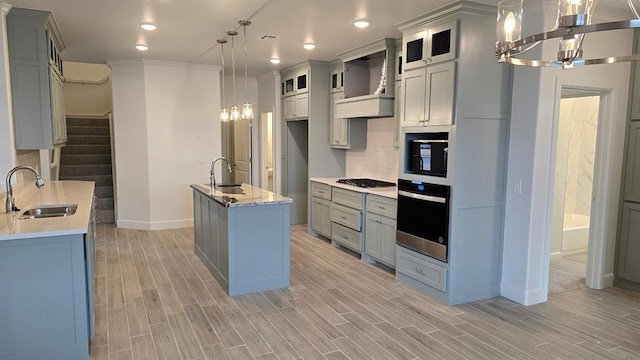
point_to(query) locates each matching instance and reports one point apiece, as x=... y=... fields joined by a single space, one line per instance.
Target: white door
x=242 y=151
x=266 y=151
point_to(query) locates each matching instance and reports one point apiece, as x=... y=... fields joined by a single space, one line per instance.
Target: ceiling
x=99 y=30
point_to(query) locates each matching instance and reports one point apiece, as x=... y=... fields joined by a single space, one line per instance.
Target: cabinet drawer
x=346 y=216
x=422 y=270
x=320 y=190
x=348 y=198
x=347 y=237
x=381 y=205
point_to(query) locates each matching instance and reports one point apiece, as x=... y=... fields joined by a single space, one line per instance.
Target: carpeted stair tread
x=85 y=149
x=89 y=140
x=88 y=122
x=104 y=191
x=100 y=180
x=85 y=159
x=88 y=130
x=81 y=170
x=105 y=216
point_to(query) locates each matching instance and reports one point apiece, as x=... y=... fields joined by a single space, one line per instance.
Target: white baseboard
x=156 y=225
x=555 y=256
x=523 y=297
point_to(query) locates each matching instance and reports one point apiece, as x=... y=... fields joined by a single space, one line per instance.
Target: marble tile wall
x=380 y=159
x=583 y=116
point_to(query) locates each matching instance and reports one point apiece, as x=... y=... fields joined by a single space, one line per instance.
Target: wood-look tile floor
x=155 y=300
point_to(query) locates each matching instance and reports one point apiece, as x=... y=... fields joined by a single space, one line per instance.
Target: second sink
x=49 y=211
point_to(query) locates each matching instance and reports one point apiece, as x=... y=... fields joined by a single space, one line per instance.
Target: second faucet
x=213 y=171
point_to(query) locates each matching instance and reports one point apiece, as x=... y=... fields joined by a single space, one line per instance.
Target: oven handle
x=437 y=199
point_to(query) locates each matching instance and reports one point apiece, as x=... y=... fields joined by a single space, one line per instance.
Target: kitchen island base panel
x=246 y=248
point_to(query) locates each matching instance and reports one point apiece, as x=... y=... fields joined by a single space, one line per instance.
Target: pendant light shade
x=235 y=111
x=247 y=108
x=224 y=112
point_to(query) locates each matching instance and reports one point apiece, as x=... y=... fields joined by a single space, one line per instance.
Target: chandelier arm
x=577 y=53
x=578 y=62
x=633 y=8
x=531 y=47
x=562 y=32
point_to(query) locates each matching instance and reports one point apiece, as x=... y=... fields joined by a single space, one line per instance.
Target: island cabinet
x=380 y=229
x=242 y=237
x=37 y=90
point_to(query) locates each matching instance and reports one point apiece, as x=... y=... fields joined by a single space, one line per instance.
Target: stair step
x=81 y=170
x=88 y=130
x=85 y=149
x=105 y=216
x=88 y=140
x=104 y=204
x=100 y=180
x=104 y=191
x=101 y=159
x=87 y=122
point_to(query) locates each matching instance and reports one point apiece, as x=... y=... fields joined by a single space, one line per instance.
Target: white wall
x=527 y=229
x=166 y=132
x=87 y=89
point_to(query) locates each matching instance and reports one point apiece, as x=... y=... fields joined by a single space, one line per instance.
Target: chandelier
x=573 y=22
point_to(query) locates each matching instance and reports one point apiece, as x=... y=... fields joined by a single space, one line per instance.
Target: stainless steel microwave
x=428 y=157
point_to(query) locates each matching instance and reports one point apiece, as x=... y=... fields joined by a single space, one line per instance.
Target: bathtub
x=575 y=234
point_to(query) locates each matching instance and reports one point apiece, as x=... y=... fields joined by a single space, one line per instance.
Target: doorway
x=577 y=130
x=266 y=151
x=242 y=151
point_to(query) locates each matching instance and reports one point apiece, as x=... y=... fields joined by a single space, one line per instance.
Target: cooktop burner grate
x=366 y=183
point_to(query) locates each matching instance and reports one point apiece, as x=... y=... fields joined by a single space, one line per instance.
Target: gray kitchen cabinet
x=428 y=95
x=632 y=173
x=429 y=44
x=34 y=44
x=346 y=218
x=380 y=229
x=44 y=297
x=321 y=209
x=398 y=115
x=628 y=266
x=345 y=133
x=634 y=101
x=296 y=107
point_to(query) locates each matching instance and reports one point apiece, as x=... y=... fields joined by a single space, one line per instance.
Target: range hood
x=369 y=78
x=365 y=106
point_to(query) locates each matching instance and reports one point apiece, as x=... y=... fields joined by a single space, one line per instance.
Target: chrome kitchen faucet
x=213 y=171
x=11 y=204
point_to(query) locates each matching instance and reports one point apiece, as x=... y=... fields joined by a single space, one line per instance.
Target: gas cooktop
x=366 y=183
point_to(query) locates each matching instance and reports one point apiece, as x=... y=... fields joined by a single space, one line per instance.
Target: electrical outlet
x=517 y=186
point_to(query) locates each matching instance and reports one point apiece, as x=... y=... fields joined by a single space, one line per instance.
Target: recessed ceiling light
x=148 y=26
x=275 y=60
x=309 y=45
x=142 y=47
x=361 y=23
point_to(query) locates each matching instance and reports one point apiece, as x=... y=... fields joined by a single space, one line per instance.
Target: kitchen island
x=46 y=275
x=241 y=234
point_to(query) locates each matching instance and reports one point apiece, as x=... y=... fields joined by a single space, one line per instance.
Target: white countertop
x=246 y=195
x=54 y=192
x=390 y=192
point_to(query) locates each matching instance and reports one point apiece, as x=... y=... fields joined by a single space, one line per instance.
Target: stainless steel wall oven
x=423 y=218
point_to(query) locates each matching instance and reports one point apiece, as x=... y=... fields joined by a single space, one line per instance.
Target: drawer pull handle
x=382 y=208
x=419 y=271
x=343 y=217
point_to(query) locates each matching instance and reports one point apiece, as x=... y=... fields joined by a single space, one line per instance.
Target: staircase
x=87 y=156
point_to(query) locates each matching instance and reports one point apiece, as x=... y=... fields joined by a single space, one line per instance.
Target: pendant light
x=224 y=112
x=247 y=108
x=235 y=111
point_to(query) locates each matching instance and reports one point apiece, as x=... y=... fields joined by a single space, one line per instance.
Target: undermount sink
x=49 y=211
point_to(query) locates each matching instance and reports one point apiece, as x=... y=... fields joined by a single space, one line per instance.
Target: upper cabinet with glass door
x=430 y=45
x=296 y=83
